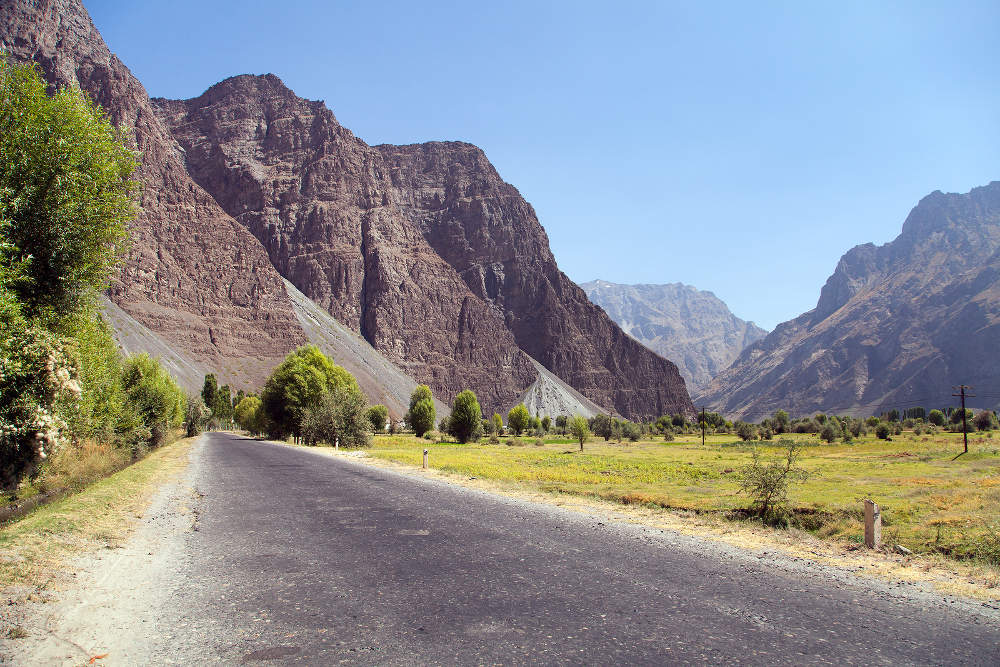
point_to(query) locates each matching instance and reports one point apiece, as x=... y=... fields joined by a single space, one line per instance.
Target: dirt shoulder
x=79 y=577
x=935 y=574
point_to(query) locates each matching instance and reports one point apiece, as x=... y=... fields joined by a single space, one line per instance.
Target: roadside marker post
x=873 y=524
x=425 y=459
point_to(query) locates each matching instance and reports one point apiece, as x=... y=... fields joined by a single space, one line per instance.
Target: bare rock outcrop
x=692 y=328
x=895 y=325
x=193 y=276
x=483 y=228
x=319 y=200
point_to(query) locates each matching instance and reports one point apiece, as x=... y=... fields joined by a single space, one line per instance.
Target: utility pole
x=965 y=430
x=703 y=426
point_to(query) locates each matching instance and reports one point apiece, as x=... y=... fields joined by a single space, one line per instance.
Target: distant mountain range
x=427 y=260
x=693 y=328
x=895 y=325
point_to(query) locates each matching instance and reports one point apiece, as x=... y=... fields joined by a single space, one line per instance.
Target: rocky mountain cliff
x=194 y=276
x=422 y=249
x=895 y=325
x=694 y=329
x=249 y=183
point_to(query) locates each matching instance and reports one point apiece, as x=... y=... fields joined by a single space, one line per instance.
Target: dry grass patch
x=101 y=515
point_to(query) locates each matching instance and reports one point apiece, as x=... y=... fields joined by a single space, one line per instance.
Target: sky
x=739 y=147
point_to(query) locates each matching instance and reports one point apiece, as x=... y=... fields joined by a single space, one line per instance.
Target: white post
x=873 y=525
x=425 y=459
x=336 y=442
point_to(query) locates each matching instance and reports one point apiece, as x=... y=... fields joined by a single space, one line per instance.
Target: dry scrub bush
x=77 y=465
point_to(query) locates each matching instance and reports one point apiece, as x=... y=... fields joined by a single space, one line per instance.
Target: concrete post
x=873 y=525
x=425 y=459
x=336 y=442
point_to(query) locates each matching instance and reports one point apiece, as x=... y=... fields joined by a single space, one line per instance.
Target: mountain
x=423 y=252
x=194 y=276
x=895 y=325
x=695 y=329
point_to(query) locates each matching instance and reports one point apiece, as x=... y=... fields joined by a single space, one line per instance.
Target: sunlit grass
x=930 y=500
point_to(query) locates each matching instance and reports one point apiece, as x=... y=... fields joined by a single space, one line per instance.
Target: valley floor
x=261 y=551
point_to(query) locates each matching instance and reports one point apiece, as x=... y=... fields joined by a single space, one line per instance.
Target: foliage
x=497 y=422
x=579 y=429
x=377 y=414
x=956 y=415
x=602 y=426
x=518 y=419
x=299 y=383
x=155 y=394
x=779 y=421
x=38 y=379
x=985 y=420
x=340 y=416
x=66 y=194
x=249 y=415
x=546 y=423
x=421 y=414
x=830 y=431
x=936 y=417
x=631 y=431
x=465 y=423
x=223 y=406
x=882 y=431
x=210 y=391
x=562 y=422
x=767 y=484
x=196 y=413
x=746 y=431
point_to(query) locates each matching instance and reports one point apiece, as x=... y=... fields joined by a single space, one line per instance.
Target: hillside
x=895 y=325
x=693 y=328
x=249 y=184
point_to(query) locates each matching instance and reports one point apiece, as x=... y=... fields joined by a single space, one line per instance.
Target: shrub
x=829 y=432
x=539 y=442
x=465 y=422
x=497 y=423
x=579 y=428
x=247 y=414
x=936 y=417
x=984 y=421
x=631 y=431
x=518 y=418
x=494 y=439
x=196 y=413
x=515 y=442
x=767 y=485
x=340 y=417
x=155 y=395
x=882 y=431
x=377 y=415
x=745 y=431
x=421 y=414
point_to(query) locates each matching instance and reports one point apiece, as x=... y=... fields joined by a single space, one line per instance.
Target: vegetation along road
x=294 y=556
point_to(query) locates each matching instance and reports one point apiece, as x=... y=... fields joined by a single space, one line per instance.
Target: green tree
x=377 y=414
x=984 y=420
x=936 y=417
x=579 y=428
x=602 y=426
x=210 y=391
x=196 y=413
x=518 y=419
x=247 y=415
x=779 y=421
x=497 y=423
x=300 y=382
x=745 y=431
x=156 y=395
x=339 y=417
x=223 y=407
x=546 y=423
x=465 y=422
x=66 y=193
x=562 y=423
x=422 y=413
x=631 y=431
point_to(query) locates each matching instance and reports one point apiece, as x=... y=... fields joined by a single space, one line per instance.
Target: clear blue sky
x=740 y=147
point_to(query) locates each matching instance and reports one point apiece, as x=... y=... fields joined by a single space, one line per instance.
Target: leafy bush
x=830 y=431
x=631 y=431
x=767 y=484
x=377 y=414
x=984 y=421
x=196 y=413
x=518 y=419
x=465 y=422
x=936 y=417
x=746 y=431
x=421 y=413
x=579 y=428
x=340 y=417
x=299 y=383
x=155 y=394
x=248 y=414
x=882 y=431
x=497 y=423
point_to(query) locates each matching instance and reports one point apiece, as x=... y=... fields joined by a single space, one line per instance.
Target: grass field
x=931 y=501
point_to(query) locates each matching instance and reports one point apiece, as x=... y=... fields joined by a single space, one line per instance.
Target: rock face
x=484 y=229
x=895 y=325
x=694 y=329
x=423 y=251
x=319 y=200
x=194 y=276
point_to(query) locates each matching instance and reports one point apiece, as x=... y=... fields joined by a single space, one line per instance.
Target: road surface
x=299 y=558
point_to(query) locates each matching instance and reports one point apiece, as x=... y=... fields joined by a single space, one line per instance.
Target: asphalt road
x=301 y=558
